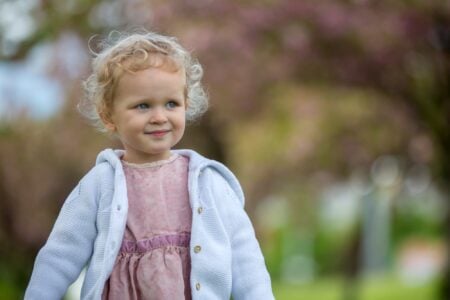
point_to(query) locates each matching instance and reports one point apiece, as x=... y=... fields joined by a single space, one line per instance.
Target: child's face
x=148 y=113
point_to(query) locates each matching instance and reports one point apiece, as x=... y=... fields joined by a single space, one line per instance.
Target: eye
x=142 y=106
x=171 y=104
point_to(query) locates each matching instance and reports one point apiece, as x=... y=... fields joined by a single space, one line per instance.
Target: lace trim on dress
x=151 y=164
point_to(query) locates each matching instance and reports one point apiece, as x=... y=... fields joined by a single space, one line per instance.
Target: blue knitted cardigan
x=89 y=230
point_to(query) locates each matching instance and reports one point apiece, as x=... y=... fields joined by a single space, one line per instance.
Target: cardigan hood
x=197 y=163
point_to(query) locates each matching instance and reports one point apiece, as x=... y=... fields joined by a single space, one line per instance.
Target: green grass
x=382 y=288
x=324 y=289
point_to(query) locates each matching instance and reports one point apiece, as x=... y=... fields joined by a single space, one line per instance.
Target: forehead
x=151 y=83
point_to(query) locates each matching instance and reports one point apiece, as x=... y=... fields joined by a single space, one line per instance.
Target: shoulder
x=212 y=173
x=98 y=172
x=199 y=164
x=222 y=179
x=106 y=163
x=97 y=180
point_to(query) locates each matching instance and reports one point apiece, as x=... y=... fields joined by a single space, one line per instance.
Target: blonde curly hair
x=123 y=52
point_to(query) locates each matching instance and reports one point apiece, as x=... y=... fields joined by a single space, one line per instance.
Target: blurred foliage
x=304 y=94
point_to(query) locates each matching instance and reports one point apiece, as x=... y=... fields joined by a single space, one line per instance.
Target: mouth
x=158 y=133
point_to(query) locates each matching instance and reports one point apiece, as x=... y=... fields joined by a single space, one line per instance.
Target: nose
x=158 y=116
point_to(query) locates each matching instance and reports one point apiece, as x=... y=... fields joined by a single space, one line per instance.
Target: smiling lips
x=158 y=133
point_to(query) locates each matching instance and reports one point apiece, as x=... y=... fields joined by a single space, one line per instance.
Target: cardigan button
x=200 y=210
x=197 y=286
x=197 y=249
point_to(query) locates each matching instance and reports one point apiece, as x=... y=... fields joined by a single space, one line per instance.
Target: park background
x=333 y=114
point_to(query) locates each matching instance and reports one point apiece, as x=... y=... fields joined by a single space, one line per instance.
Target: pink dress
x=154 y=262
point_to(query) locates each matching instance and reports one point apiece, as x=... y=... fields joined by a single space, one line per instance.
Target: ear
x=107 y=121
x=110 y=127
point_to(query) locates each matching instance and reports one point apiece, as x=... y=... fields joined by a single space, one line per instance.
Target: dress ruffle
x=160 y=241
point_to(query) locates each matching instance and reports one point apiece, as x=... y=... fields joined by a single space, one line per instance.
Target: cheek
x=181 y=124
x=132 y=123
x=182 y=121
x=180 y=133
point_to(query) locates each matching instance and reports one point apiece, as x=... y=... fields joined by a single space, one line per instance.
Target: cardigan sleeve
x=69 y=246
x=250 y=278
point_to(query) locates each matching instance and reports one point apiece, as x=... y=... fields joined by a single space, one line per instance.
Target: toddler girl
x=149 y=222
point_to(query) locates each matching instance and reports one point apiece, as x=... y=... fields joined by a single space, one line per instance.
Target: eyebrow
x=138 y=100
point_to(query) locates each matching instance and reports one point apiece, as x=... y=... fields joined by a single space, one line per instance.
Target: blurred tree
x=395 y=47
x=399 y=49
